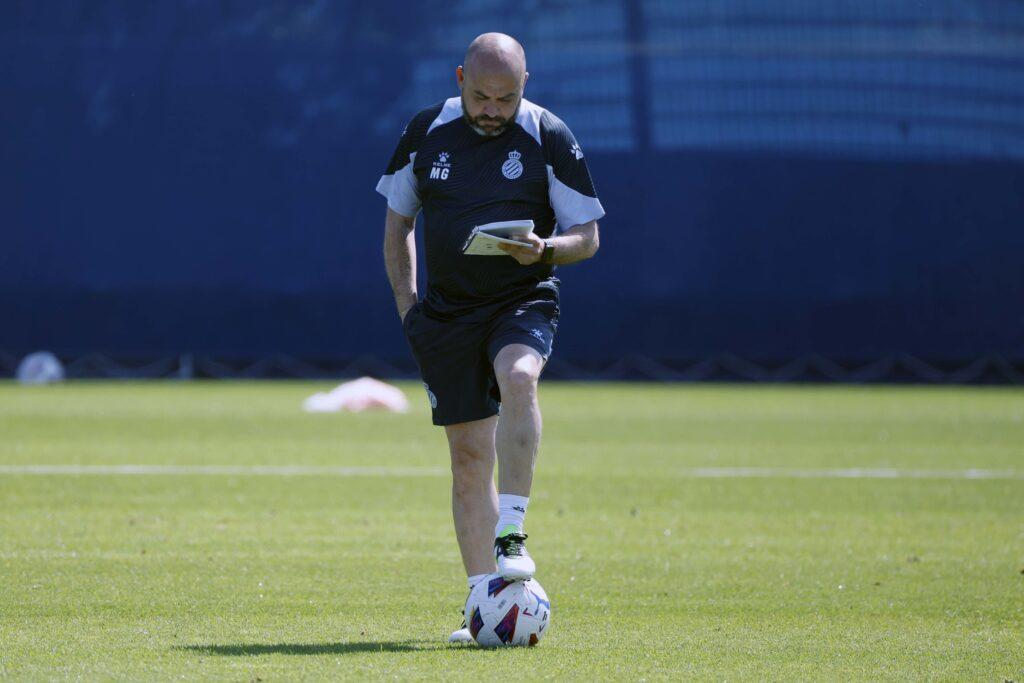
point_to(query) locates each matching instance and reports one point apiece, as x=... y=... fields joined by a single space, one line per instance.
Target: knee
x=518 y=382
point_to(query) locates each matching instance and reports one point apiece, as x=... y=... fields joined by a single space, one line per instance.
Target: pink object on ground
x=356 y=396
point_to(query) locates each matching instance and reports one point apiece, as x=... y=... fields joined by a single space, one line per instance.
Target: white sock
x=474 y=580
x=511 y=512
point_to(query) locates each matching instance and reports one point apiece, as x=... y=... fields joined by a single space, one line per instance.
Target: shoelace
x=511 y=545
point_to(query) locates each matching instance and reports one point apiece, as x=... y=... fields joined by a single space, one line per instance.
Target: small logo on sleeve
x=576 y=151
x=441 y=167
x=513 y=167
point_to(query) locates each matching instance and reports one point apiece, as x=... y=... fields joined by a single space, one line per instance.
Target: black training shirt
x=461 y=179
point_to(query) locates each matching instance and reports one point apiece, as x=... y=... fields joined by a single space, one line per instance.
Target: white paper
x=484 y=239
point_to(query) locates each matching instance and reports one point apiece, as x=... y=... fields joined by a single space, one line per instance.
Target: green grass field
x=658 y=568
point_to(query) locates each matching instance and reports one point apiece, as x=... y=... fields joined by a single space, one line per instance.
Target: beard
x=499 y=125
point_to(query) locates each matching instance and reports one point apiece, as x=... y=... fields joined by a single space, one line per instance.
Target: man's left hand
x=529 y=253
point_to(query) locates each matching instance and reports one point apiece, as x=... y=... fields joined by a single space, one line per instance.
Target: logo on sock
x=520 y=509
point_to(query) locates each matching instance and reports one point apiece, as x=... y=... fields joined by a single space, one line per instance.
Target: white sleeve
x=570 y=188
x=401 y=190
x=571 y=206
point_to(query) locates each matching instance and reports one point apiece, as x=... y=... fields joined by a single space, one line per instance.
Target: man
x=484 y=330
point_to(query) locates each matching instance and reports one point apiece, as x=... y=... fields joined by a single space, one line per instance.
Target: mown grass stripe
x=303 y=470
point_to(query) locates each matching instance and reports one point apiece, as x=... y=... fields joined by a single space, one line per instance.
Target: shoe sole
x=517 y=577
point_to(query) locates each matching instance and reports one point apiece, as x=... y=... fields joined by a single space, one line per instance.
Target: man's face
x=490 y=101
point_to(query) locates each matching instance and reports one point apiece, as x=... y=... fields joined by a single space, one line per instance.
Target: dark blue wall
x=198 y=177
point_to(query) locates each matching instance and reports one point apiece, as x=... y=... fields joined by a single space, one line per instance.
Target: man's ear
x=460 y=77
x=526 y=77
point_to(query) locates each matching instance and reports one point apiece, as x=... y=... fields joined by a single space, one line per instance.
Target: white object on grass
x=41 y=367
x=356 y=396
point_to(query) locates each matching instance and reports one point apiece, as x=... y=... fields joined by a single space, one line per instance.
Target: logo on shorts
x=512 y=168
x=441 y=168
x=430 y=395
x=537 y=334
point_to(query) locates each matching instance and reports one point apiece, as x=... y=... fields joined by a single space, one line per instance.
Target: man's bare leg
x=517 y=368
x=474 y=499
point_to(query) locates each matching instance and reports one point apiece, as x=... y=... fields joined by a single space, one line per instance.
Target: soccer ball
x=501 y=612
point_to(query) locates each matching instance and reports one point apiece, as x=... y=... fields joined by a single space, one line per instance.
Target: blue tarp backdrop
x=781 y=178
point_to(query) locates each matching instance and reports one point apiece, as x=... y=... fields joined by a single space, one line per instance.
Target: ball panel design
x=503 y=613
x=476 y=622
x=506 y=628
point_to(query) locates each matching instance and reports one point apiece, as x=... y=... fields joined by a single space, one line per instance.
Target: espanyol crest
x=512 y=168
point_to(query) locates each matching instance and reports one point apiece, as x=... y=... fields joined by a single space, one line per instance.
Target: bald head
x=492 y=82
x=496 y=54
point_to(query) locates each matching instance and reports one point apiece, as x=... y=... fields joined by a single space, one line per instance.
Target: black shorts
x=456 y=359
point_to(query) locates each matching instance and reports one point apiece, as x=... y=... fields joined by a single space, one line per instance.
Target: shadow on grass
x=256 y=649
